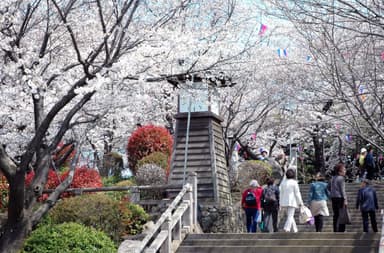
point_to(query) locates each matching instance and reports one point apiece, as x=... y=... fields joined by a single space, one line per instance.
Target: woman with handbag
x=338 y=196
x=317 y=200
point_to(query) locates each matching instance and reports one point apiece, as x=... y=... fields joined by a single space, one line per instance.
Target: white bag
x=305 y=215
x=258 y=220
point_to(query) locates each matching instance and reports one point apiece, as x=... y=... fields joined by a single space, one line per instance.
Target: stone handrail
x=135 y=191
x=179 y=219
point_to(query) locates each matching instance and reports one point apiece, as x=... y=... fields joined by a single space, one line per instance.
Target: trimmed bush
x=94 y=210
x=147 y=140
x=150 y=174
x=121 y=195
x=68 y=238
x=158 y=158
x=133 y=218
x=110 y=181
x=53 y=181
x=115 y=218
x=128 y=182
x=84 y=177
x=252 y=169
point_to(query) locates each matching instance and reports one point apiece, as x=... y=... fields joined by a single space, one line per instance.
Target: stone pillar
x=192 y=179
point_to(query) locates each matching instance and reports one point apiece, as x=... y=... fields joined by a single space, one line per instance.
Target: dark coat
x=367 y=199
x=269 y=207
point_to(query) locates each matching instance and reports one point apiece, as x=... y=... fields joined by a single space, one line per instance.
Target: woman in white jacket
x=290 y=199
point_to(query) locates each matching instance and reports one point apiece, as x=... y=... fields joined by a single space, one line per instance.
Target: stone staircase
x=357 y=223
x=305 y=241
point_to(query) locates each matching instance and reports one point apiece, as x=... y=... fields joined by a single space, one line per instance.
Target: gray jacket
x=337 y=187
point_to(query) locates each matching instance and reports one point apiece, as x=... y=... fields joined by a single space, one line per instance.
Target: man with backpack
x=250 y=201
x=270 y=205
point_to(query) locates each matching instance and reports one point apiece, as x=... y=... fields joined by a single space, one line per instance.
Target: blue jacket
x=369 y=161
x=318 y=191
x=367 y=199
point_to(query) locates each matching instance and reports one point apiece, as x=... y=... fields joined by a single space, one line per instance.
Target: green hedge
x=115 y=218
x=68 y=238
x=93 y=210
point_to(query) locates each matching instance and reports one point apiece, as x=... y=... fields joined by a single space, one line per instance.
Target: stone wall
x=221 y=219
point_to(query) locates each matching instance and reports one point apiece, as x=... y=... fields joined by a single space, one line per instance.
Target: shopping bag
x=305 y=215
x=259 y=216
x=344 y=216
x=311 y=221
x=262 y=226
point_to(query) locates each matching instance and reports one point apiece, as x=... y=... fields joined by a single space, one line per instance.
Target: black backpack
x=250 y=198
x=270 y=195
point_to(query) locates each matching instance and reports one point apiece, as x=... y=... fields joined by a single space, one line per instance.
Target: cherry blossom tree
x=345 y=40
x=75 y=69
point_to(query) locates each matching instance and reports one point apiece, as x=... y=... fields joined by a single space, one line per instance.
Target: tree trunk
x=13 y=235
x=319 y=166
x=340 y=150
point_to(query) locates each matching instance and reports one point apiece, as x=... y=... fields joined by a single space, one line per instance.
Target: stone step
x=298 y=242
x=281 y=235
x=281 y=242
x=278 y=249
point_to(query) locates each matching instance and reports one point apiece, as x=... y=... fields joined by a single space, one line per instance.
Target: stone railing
x=135 y=193
x=178 y=220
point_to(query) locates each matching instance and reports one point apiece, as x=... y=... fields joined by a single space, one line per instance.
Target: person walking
x=367 y=201
x=250 y=201
x=317 y=201
x=338 y=195
x=290 y=198
x=263 y=154
x=270 y=205
x=369 y=164
x=361 y=163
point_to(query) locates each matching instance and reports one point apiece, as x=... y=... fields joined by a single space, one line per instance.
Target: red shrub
x=53 y=181
x=146 y=140
x=84 y=177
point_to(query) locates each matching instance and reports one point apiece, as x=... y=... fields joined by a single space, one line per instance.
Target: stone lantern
x=198 y=141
